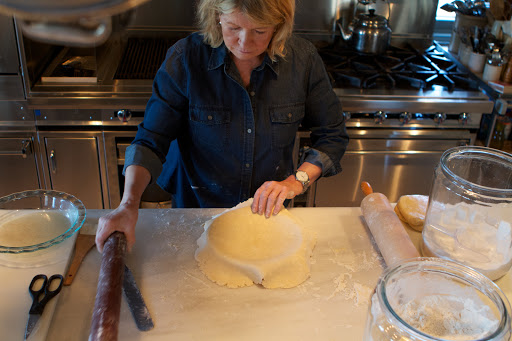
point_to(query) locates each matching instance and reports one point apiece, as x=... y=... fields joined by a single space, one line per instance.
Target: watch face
x=302 y=176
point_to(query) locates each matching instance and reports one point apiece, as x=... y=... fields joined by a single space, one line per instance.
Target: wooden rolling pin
x=388 y=232
x=107 y=307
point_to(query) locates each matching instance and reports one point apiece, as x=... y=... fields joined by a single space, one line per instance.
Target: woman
x=227 y=102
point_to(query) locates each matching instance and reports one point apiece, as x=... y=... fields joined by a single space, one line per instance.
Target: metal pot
x=368 y=33
x=87 y=23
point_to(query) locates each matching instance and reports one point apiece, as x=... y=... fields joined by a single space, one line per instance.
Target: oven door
x=394 y=162
x=116 y=143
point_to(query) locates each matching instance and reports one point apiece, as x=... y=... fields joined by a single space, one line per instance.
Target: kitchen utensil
x=86 y=23
x=469 y=216
x=136 y=302
x=38 y=219
x=476 y=62
x=461 y=7
x=449 y=8
x=84 y=242
x=107 y=306
x=430 y=299
x=41 y=296
x=393 y=241
x=368 y=33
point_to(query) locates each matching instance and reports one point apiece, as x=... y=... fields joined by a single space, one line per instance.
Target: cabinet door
x=18 y=170
x=74 y=168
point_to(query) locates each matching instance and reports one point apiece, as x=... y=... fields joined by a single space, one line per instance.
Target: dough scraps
x=412 y=210
x=239 y=248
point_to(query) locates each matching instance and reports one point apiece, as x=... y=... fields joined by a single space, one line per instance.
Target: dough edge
x=412 y=210
x=280 y=272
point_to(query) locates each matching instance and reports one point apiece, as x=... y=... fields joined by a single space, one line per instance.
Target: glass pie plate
x=35 y=223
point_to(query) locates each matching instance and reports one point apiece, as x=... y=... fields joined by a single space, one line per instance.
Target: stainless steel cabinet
x=18 y=166
x=74 y=164
x=394 y=162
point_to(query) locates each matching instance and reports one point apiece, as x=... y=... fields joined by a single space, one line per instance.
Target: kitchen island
x=331 y=305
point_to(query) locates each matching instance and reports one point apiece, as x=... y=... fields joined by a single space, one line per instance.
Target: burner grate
x=397 y=68
x=142 y=58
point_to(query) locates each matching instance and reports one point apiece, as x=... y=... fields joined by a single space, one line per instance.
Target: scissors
x=41 y=296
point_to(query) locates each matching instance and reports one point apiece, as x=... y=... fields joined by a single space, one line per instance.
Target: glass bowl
x=433 y=299
x=38 y=219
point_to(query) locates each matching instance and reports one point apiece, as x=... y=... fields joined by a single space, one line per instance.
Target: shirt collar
x=219 y=55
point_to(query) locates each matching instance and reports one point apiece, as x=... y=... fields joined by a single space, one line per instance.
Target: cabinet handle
x=25 y=150
x=53 y=163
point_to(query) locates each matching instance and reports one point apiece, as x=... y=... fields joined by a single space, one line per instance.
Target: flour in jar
x=30 y=227
x=449 y=317
x=439 y=307
x=475 y=235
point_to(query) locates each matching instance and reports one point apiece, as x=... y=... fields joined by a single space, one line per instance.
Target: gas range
x=405 y=88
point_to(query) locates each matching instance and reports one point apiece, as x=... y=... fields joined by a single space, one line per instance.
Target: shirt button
x=210 y=117
x=247 y=165
x=252 y=93
x=249 y=130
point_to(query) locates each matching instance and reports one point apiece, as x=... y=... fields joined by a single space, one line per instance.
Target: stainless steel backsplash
x=408 y=19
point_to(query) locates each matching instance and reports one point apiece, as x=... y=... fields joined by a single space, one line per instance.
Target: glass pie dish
x=36 y=220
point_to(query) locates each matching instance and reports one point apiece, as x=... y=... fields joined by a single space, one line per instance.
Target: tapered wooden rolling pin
x=388 y=232
x=107 y=307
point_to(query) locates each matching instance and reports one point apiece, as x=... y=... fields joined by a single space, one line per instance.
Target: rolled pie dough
x=412 y=210
x=239 y=248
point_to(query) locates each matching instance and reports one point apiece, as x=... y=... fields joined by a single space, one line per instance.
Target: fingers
x=115 y=222
x=270 y=197
x=280 y=201
x=102 y=234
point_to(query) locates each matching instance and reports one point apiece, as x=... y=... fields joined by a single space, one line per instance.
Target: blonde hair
x=278 y=13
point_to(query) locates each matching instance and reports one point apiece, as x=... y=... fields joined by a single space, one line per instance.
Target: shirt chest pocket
x=286 y=121
x=209 y=128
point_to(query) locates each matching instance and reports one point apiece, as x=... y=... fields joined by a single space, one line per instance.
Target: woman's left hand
x=269 y=198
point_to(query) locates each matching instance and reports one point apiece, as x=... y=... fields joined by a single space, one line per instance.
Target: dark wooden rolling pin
x=107 y=307
x=388 y=232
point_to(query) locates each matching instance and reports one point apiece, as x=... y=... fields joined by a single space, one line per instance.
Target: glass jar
x=435 y=299
x=469 y=215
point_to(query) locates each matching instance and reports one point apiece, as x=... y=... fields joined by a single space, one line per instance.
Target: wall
x=407 y=18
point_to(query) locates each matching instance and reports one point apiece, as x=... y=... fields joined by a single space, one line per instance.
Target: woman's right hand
x=122 y=219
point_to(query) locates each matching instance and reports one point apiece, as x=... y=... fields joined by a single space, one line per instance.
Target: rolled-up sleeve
x=140 y=155
x=321 y=160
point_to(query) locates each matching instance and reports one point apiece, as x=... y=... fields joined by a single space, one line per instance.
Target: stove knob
x=346 y=115
x=124 y=115
x=463 y=118
x=405 y=117
x=440 y=117
x=379 y=117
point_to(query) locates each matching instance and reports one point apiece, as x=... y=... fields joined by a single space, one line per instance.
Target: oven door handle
x=391 y=152
x=25 y=150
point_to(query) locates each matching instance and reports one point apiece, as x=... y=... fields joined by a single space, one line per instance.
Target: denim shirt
x=211 y=142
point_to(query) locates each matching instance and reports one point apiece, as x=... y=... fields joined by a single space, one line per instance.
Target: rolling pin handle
x=366 y=188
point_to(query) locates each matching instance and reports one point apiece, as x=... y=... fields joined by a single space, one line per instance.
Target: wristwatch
x=303 y=178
